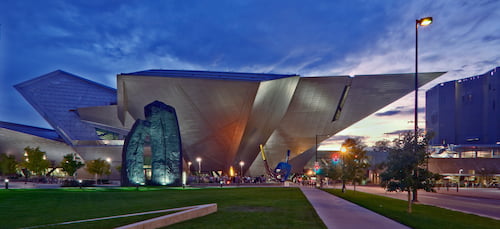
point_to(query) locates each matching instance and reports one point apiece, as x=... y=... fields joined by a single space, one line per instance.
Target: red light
x=335 y=157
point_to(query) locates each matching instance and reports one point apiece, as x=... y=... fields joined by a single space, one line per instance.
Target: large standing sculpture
x=161 y=130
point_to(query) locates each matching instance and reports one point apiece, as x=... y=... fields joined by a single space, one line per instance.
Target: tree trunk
x=409 y=200
x=354 y=183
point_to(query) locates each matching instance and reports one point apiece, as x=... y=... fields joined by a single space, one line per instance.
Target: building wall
x=465 y=112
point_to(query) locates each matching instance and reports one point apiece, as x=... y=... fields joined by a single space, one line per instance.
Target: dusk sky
x=100 y=39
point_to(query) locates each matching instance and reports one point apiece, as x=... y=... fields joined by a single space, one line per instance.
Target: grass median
x=423 y=216
x=237 y=207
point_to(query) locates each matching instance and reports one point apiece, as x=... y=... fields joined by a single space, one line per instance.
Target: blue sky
x=99 y=39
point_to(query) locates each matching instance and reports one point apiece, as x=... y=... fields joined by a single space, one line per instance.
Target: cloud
x=99 y=39
x=388 y=113
x=400 y=111
x=341 y=138
x=398 y=132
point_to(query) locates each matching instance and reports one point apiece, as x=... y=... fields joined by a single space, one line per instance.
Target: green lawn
x=423 y=216
x=237 y=207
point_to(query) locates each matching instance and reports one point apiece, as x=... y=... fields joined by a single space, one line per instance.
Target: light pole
x=460 y=171
x=198 y=159
x=189 y=171
x=242 y=163
x=343 y=151
x=419 y=22
x=316 y=163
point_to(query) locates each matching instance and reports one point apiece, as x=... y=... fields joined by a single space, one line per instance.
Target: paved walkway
x=339 y=213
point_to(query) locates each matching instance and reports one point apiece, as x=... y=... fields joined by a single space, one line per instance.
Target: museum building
x=223 y=117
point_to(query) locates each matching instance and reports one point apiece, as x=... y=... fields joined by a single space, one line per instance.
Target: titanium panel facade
x=223 y=116
x=224 y=121
x=57 y=95
x=313 y=108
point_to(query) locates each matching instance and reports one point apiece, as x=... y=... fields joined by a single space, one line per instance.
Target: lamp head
x=424 y=21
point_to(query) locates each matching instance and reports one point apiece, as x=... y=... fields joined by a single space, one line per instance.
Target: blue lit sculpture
x=282 y=170
x=161 y=129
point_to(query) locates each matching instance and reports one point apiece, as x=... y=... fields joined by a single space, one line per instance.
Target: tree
x=7 y=164
x=70 y=165
x=404 y=170
x=354 y=161
x=35 y=161
x=378 y=157
x=98 y=167
x=332 y=170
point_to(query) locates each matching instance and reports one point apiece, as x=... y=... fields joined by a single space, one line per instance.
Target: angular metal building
x=223 y=116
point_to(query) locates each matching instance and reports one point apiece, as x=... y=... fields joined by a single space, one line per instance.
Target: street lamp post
x=316 y=163
x=460 y=171
x=198 y=159
x=242 y=163
x=419 y=22
x=343 y=151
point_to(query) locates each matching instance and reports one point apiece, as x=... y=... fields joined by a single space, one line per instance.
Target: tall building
x=223 y=116
x=464 y=116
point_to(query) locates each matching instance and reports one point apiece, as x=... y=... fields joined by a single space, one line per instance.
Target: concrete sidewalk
x=339 y=213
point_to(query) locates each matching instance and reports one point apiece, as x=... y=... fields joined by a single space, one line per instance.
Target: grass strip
x=237 y=207
x=423 y=216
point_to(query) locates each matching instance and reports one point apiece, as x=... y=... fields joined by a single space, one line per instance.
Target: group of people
x=227 y=179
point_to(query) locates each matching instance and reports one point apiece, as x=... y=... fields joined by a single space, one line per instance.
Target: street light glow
x=424 y=21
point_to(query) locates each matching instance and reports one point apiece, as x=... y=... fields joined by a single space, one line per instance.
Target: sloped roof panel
x=210 y=75
x=57 y=95
x=36 y=131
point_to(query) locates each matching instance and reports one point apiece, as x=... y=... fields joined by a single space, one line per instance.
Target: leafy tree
x=70 y=165
x=404 y=170
x=354 y=161
x=382 y=146
x=35 y=161
x=7 y=164
x=98 y=167
x=332 y=171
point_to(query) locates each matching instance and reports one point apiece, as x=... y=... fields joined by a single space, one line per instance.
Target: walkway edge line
x=163 y=221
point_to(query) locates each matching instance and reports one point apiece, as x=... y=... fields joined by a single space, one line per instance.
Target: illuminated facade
x=223 y=116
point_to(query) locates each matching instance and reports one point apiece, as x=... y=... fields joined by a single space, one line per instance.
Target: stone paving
x=339 y=213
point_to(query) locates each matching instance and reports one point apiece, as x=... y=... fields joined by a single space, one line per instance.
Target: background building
x=464 y=115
